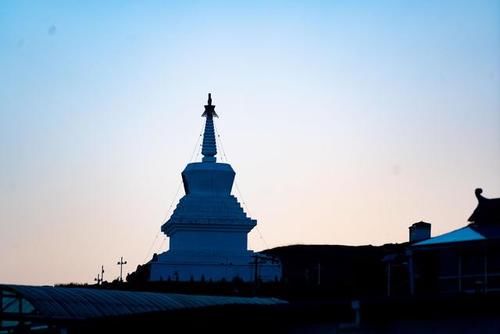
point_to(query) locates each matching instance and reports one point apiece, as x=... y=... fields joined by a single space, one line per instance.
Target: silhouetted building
x=208 y=228
x=334 y=271
x=466 y=260
x=45 y=309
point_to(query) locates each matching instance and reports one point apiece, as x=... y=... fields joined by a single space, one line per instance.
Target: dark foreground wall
x=227 y=319
x=459 y=314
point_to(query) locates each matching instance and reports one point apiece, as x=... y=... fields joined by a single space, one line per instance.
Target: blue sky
x=345 y=121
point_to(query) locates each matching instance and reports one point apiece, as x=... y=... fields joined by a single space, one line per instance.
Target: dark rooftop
x=487 y=210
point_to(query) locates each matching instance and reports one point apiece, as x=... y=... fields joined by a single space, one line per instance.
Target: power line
x=240 y=195
x=164 y=241
x=197 y=145
x=151 y=247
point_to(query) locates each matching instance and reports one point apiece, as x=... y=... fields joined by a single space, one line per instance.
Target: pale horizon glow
x=345 y=122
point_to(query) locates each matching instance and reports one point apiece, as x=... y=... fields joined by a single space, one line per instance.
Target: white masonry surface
x=208 y=229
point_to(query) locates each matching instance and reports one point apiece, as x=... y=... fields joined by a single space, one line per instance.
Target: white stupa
x=208 y=228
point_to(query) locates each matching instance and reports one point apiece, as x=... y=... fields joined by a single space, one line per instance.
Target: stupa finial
x=209 y=108
x=209 y=148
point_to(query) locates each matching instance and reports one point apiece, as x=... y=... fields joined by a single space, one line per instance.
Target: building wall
x=463 y=268
x=177 y=268
x=208 y=240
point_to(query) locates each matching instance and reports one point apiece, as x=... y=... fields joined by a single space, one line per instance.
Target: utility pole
x=256 y=269
x=389 y=279
x=102 y=274
x=98 y=279
x=319 y=273
x=256 y=276
x=121 y=263
x=255 y=264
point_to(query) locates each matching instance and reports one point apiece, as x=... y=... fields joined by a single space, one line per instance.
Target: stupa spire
x=209 y=148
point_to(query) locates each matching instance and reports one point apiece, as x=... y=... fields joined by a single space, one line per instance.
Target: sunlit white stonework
x=208 y=229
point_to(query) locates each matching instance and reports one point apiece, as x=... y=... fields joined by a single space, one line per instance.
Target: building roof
x=469 y=233
x=60 y=303
x=487 y=210
x=485 y=224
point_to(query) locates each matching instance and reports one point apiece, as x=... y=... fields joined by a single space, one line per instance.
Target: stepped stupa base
x=213 y=267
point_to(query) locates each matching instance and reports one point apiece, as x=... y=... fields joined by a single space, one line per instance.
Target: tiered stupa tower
x=208 y=228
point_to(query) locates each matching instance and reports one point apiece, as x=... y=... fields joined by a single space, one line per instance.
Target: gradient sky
x=346 y=122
